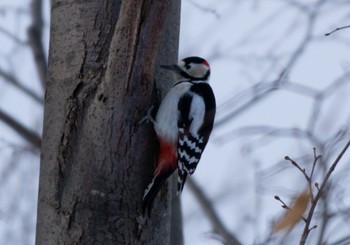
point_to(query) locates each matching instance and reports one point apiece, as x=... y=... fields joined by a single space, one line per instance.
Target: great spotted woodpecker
x=183 y=124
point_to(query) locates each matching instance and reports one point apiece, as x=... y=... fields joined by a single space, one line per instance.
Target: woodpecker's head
x=191 y=68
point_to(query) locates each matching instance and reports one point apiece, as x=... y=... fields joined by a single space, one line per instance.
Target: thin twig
x=302 y=170
x=337 y=29
x=205 y=9
x=317 y=186
x=307 y=177
x=314 y=163
x=307 y=230
x=284 y=205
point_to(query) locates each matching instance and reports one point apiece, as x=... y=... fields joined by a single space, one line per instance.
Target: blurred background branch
x=35 y=39
x=218 y=227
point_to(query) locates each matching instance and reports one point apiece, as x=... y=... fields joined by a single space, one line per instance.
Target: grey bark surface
x=96 y=158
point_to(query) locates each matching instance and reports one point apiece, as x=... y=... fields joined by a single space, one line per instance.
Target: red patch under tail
x=167 y=161
x=167 y=164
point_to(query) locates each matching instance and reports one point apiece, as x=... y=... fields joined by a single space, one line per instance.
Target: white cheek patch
x=199 y=70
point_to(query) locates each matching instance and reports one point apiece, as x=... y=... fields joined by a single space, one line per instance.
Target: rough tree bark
x=96 y=157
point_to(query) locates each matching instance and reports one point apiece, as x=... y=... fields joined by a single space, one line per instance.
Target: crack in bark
x=67 y=138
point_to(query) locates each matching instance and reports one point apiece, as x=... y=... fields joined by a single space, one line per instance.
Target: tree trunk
x=96 y=157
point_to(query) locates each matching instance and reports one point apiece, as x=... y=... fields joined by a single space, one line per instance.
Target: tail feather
x=151 y=192
x=181 y=180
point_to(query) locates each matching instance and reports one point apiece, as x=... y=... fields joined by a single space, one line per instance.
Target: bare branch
x=205 y=9
x=307 y=230
x=267 y=131
x=26 y=133
x=260 y=91
x=35 y=35
x=208 y=209
x=257 y=93
x=300 y=88
x=12 y=80
x=344 y=240
x=11 y=36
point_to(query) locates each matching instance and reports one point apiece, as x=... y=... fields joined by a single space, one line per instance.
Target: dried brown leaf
x=294 y=214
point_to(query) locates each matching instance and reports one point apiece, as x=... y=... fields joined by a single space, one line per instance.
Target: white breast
x=167 y=115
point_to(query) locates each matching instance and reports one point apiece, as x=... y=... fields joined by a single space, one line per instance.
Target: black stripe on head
x=195 y=60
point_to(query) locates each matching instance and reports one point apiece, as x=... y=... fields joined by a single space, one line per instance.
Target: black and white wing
x=197 y=112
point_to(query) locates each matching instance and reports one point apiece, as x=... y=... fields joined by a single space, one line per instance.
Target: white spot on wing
x=197 y=113
x=188 y=158
x=191 y=144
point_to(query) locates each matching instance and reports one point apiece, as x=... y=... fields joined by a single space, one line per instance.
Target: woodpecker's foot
x=148 y=117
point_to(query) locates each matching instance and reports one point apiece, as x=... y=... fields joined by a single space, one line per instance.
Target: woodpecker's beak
x=174 y=68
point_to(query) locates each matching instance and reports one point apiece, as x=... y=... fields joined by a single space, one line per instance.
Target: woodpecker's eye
x=187 y=66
